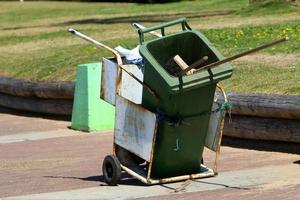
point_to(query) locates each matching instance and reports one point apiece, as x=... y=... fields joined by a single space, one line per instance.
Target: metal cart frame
x=144 y=175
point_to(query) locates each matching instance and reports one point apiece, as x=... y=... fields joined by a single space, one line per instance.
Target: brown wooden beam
x=263 y=128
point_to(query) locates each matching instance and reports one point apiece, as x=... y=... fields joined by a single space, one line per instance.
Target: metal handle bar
x=97 y=44
x=119 y=60
x=162 y=27
x=139 y=26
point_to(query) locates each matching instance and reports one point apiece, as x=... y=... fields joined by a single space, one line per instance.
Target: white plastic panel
x=130 y=88
x=213 y=131
x=109 y=81
x=134 y=128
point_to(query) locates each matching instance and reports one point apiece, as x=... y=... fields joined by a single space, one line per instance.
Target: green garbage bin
x=185 y=102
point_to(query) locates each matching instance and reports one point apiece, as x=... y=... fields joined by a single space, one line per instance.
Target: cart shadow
x=180 y=188
x=297 y=162
x=125 y=179
x=260 y=145
x=223 y=185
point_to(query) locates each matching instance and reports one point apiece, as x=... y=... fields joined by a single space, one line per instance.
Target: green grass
x=280 y=80
x=28 y=11
x=235 y=40
x=9 y=40
x=34 y=43
x=268 y=7
x=59 y=62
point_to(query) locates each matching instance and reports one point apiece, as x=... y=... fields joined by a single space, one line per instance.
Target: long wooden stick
x=243 y=54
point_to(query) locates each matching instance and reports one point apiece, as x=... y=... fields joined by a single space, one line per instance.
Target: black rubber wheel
x=111 y=169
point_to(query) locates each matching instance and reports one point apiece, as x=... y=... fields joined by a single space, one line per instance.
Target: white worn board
x=130 y=88
x=109 y=81
x=213 y=131
x=134 y=128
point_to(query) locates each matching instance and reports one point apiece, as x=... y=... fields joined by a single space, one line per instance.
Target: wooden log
x=50 y=90
x=262 y=105
x=54 y=90
x=265 y=105
x=15 y=87
x=263 y=128
x=47 y=106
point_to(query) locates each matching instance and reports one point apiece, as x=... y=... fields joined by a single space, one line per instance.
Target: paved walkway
x=41 y=158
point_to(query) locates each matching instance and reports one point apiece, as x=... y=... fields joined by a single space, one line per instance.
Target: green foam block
x=90 y=113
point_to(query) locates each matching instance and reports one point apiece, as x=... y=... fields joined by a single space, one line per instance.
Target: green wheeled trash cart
x=161 y=138
x=164 y=117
